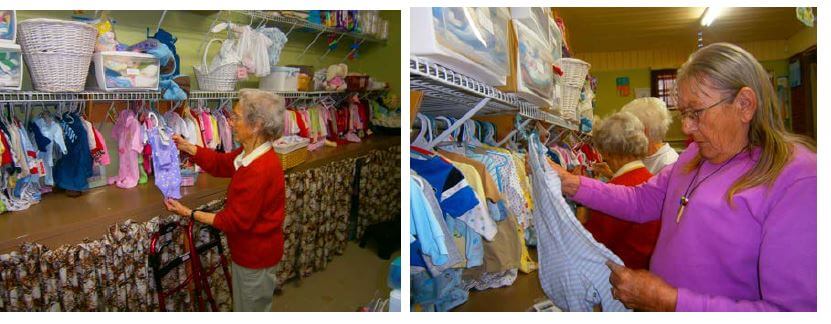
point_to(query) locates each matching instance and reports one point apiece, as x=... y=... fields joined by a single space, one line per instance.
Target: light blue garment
x=451 y=292
x=497 y=211
x=423 y=288
x=54 y=133
x=440 y=293
x=424 y=226
x=474 y=248
x=278 y=40
x=573 y=272
x=453 y=254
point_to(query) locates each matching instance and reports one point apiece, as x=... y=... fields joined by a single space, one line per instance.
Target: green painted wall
x=381 y=61
x=608 y=100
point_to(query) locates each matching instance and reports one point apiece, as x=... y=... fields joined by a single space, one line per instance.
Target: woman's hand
x=570 y=182
x=177 y=207
x=641 y=290
x=183 y=145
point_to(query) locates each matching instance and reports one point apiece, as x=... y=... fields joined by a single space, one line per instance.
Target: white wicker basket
x=569 y=101
x=222 y=78
x=57 y=52
x=574 y=71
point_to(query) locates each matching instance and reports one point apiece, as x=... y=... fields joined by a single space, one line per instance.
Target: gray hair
x=654 y=115
x=621 y=134
x=728 y=69
x=265 y=110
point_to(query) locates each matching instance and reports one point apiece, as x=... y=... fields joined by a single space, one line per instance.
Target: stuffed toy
x=335 y=77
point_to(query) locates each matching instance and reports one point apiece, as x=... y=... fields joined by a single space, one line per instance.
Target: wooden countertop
x=59 y=219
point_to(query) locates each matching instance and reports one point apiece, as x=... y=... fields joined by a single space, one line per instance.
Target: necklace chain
x=688 y=192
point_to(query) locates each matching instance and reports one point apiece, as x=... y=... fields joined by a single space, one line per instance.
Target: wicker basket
x=57 y=52
x=568 y=102
x=574 y=71
x=292 y=155
x=222 y=78
x=293 y=158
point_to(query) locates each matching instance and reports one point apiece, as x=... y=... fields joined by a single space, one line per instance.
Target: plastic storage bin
x=304 y=77
x=535 y=18
x=189 y=178
x=8 y=26
x=395 y=300
x=535 y=77
x=556 y=40
x=11 y=67
x=472 y=41
x=126 y=71
x=282 y=78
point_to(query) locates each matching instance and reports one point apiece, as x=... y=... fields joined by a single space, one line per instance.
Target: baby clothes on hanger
x=194 y=133
x=177 y=124
x=355 y=124
x=73 y=169
x=52 y=131
x=90 y=133
x=217 y=141
x=127 y=134
x=165 y=161
x=573 y=272
x=224 y=132
x=100 y=154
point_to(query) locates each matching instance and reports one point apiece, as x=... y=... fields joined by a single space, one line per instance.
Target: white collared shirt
x=244 y=161
x=628 y=167
x=663 y=157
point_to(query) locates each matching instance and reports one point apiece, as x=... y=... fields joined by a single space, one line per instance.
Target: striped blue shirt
x=573 y=272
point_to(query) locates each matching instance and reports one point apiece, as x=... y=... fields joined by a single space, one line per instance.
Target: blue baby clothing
x=168 y=176
x=454 y=194
x=573 y=271
x=72 y=170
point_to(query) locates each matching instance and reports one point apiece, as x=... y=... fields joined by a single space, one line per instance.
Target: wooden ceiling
x=622 y=29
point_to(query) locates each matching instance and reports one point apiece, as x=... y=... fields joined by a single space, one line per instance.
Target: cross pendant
x=684 y=202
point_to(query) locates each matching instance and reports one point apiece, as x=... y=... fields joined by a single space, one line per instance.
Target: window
x=663 y=84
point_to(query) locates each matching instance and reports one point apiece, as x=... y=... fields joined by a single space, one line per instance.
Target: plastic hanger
x=490 y=132
x=470 y=133
x=420 y=140
x=448 y=123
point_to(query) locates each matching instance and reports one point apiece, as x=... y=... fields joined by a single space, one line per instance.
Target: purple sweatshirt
x=760 y=255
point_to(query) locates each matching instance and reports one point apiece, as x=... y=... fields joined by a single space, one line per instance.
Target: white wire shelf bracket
x=36 y=96
x=223 y=95
x=295 y=23
x=547 y=117
x=451 y=93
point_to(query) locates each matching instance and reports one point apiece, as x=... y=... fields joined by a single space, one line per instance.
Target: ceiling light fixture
x=710 y=15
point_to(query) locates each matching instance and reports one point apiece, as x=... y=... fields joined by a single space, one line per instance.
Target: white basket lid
x=55 y=21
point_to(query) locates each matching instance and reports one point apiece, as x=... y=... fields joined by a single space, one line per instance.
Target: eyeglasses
x=694 y=115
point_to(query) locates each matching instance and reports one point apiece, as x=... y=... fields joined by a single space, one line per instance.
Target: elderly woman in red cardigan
x=622 y=142
x=252 y=218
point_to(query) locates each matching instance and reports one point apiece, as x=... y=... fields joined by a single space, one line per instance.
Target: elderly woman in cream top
x=653 y=113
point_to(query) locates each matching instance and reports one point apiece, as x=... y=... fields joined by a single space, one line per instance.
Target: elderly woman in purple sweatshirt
x=738 y=208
